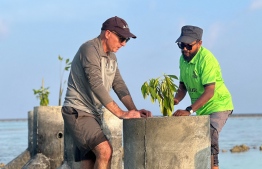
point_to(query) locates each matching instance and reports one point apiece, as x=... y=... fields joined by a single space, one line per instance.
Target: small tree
x=66 y=67
x=42 y=94
x=161 y=89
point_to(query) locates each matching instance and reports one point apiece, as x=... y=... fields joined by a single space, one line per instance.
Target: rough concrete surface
x=167 y=143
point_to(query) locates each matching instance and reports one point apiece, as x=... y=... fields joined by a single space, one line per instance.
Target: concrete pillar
x=112 y=127
x=167 y=142
x=69 y=160
x=30 y=132
x=48 y=134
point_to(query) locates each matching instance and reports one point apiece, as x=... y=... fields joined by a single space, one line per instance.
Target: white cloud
x=255 y=5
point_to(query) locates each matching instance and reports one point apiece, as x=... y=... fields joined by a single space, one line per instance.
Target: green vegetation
x=42 y=94
x=66 y=67
x=161 y=89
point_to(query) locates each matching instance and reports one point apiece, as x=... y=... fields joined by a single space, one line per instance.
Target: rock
x=223 y=151
x=2 y=165
x=240 y=148
x=260 y=148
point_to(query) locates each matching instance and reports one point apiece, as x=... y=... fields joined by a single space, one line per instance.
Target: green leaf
x=67 y=68
x=60 y=58
x=173 y=76
x=144 y=90
x=152 y=92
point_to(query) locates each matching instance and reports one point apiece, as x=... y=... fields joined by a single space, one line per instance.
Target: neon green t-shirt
x=201 y=70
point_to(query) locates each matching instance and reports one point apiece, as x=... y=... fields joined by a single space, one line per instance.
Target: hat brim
x=186 y=39
x=126 y=34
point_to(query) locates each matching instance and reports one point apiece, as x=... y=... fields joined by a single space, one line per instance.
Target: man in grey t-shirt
x=94 y=71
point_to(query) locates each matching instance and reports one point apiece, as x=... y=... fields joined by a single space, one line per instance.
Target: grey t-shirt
x=93 y=73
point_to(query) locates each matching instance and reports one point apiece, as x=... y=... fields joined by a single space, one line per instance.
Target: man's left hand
x=145 y=113
x=181 y=113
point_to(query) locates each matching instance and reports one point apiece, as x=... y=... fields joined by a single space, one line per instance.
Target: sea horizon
x=233 y=115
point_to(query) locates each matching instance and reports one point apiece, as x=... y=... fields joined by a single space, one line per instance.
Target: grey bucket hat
x=189 y=34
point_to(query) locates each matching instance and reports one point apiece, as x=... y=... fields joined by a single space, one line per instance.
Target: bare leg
x=103 y=152
x=212 y=163
x=87 y=164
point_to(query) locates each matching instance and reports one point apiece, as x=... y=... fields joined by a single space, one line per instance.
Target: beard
x=188 y=56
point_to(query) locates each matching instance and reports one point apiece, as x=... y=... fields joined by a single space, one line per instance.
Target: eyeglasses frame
x=121 y=38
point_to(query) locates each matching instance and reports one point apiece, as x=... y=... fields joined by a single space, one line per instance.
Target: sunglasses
x=121 y=38
x=182 y=45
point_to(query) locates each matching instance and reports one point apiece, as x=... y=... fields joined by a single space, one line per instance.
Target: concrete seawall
x=159 y=142
x=50 y=146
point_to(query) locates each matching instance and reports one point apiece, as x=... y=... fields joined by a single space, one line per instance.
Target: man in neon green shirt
x=201 y=77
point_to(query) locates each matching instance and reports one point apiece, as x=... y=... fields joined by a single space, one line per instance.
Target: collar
x=98 y=41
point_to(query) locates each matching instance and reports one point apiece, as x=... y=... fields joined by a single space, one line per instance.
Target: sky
x=34 y=33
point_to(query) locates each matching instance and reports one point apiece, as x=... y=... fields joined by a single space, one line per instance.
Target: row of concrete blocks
x=51 y=147
x=152 y=143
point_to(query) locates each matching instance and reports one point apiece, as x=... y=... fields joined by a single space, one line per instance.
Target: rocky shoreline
x=240 y=148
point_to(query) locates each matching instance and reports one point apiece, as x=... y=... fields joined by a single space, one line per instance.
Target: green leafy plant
x=42 y=94
x=66 y=67
x=161 y=89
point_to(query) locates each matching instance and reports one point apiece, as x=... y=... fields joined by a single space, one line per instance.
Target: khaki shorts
x=217 y=122
x=86 y=131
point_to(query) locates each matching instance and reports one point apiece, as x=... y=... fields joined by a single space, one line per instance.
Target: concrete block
x=49 y=133
x=19 y=161
x=30 y=132
x=69 y=160
x=39 y=161
x=167 y=142
x=134 y=134
x=112 y=127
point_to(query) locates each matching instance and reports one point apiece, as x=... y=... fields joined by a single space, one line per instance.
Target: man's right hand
x=131 y=114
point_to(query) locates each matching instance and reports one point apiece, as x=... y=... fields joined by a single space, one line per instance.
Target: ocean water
x=237 y=131
x=13 y=139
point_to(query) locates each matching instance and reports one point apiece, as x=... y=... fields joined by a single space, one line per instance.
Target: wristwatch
x=190 y=110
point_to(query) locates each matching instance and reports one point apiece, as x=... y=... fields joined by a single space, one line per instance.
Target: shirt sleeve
x=119 y=85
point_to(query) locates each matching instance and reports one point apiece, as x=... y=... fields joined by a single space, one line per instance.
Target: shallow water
x=237 y=131
x=13 y=139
